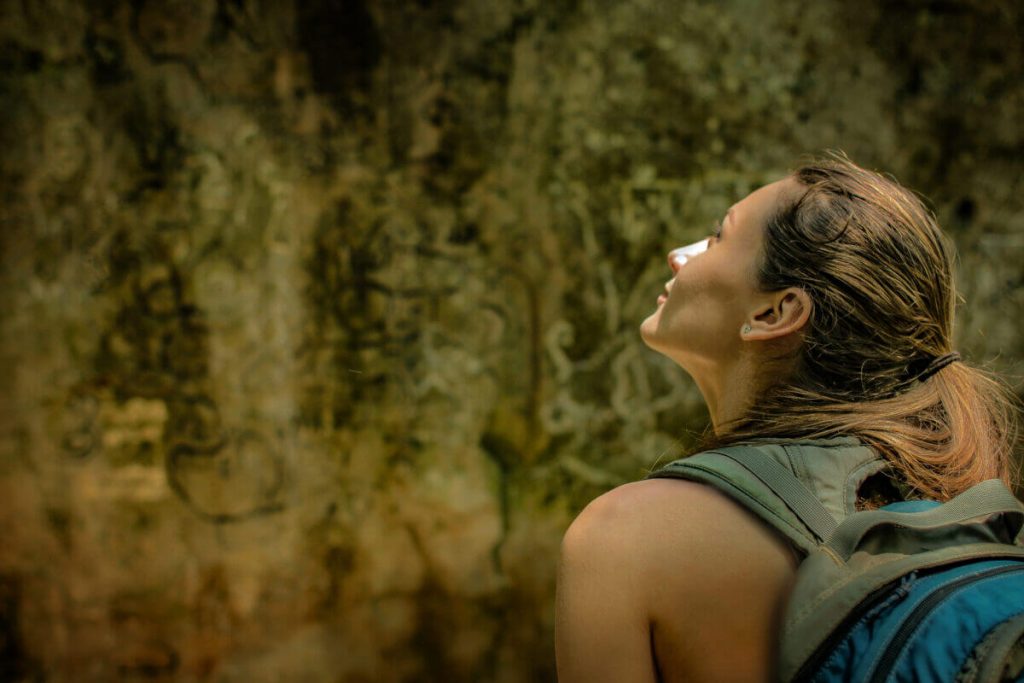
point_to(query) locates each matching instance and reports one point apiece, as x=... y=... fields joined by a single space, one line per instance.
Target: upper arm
x=602 y=629
x=668 y=566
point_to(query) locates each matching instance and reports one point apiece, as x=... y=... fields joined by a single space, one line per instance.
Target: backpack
x=913 y=591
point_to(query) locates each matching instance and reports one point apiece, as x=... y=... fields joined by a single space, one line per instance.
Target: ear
x=783 y=313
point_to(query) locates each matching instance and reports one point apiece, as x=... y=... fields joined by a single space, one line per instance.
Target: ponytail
x=942 y=436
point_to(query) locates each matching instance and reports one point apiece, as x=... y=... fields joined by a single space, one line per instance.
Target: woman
x=821 y=308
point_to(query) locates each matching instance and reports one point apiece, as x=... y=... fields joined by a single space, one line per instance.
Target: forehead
x=750 y=213
x=764 y=198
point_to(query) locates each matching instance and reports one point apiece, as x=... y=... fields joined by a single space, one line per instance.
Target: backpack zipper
x=895 y=648
x=880 y=596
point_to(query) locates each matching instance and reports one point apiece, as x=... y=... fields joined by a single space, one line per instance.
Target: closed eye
x=716 y=231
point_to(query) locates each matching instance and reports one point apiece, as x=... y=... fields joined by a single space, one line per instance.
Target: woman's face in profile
x=700 y=315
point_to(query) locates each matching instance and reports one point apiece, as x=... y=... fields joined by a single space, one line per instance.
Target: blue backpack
x=914 y=591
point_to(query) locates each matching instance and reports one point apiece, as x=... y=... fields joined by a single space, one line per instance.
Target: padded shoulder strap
x=726 y=470
x=784 y=484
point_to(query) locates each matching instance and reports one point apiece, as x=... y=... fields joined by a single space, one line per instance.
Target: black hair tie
x=937 y=364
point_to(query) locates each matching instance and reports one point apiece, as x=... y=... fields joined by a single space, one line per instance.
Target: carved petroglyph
x=229 y=481
x=79 y=425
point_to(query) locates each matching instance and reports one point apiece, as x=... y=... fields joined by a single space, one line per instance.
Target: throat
x=730 y=394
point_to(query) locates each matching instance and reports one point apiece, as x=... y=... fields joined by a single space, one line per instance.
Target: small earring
x=746 y=329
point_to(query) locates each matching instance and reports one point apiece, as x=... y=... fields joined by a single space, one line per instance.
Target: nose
x=677 y=258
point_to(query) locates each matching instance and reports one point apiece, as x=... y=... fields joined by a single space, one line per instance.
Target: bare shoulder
x=661 y=522
x=648 y=506
x=610 y=564
x=694 y=570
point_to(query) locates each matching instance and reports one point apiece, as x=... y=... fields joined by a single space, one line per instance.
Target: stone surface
x=319 y=318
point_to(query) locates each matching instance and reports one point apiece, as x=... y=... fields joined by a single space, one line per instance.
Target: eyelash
x=716 y=231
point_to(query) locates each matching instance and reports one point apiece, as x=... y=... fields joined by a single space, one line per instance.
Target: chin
x=653 y=340
x=649 y=333
x=649 y=330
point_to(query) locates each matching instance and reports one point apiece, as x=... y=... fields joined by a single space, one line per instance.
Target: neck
x=728 y=390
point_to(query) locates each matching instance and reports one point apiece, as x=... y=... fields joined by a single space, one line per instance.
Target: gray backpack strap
x=784 y=484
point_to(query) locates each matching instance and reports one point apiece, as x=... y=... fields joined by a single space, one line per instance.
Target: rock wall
x=319 y=316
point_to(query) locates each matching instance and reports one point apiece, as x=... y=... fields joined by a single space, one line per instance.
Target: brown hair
x=879 y=272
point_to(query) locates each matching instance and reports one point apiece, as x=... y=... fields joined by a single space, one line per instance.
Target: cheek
x=704 y=301
x=693 y=286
